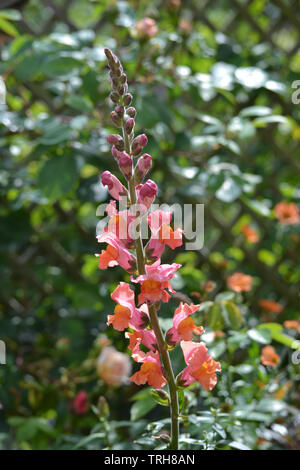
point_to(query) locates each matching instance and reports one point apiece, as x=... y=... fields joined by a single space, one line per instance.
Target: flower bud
x=125 y=164
x=116 y=119
x=123 y=78
x=102 y=408
x=116 y=140
x=138 y=143
x=114 y=97
x=143 y=165
x=120 y=110
x=127 y=99
x=129 y=125
x=131 y=112
x=115 y=187
x=147 y=193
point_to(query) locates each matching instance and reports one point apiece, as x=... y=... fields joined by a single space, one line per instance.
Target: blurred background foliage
x=212 y=84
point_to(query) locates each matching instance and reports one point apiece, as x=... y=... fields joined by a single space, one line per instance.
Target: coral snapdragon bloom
x=155 y=281
x=292 y=325
x=150 y=371
x=162 y=234
x=269 y=357
x=239 y=282
x=115 y=254
x=201 y=367
x=287 y=213
x=140 y=336
x=125 y=314
x=250 y=234
x=183 y=325
x=270 y=305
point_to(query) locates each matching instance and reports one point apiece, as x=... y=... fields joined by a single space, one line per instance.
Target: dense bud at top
x=114 y=96
x=120 y=110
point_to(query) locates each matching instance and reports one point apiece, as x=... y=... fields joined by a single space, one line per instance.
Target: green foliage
x=222 y=131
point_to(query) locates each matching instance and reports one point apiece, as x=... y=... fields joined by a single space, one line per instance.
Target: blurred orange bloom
x=239 y=282
x=292 y=325
x=269 y=357
x=287 y=213
x=270 y=306
x=250 y=234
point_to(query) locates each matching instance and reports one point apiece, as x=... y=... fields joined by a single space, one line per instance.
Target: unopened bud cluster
x=128 y=146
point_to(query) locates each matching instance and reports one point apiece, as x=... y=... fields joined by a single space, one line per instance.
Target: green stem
x=162 y=346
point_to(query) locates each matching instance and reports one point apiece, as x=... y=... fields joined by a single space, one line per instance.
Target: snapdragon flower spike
x=125 y=314
x=200 y=366
x=115 y=187
x=183 y=325
x=144 y=164
x=115 y=254
x=162 y=234
x=155 y=282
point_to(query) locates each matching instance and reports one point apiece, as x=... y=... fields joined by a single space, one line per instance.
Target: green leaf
x=275 y=329
x=61 y=66
x=86 y=440
x=160 y=396
x=214 y=317
x=141 y=407
x=79 y=103
x=238 y=446
x=262 y=336
x=56 y=133
x=256 y=111
x=7 y=27
x=58 y=176
x=233 y=315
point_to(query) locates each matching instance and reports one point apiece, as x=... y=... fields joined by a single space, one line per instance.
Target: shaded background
x=213 y=93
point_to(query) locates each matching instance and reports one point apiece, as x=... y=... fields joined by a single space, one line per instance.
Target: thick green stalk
x=162 y=346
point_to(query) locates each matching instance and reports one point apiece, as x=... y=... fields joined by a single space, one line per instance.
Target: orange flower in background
x=269 y=357
x=239 y=282
x=287 y=213
x=249 y=233
x=292 y=325
x=270 y=305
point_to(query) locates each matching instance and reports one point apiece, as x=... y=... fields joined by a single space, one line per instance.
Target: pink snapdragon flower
x=155 y=281
x=115 y=254
x=162 y=234
x=115 y=187
x=200 y=366
x=126 y=314
x=183 y=325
